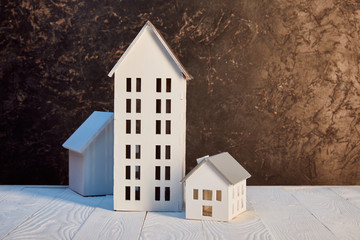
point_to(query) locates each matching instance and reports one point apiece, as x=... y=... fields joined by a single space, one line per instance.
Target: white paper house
x=150 y=125
x=216 y=188
x=91 y=155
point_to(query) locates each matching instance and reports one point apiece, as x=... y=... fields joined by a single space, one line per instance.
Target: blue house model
x=91 y=154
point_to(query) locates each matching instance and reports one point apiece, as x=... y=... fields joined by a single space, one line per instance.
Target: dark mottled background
x=276 y=82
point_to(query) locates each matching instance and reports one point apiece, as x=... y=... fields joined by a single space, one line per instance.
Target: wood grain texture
x=339 y=216
x=247 y=225
x=17 y=206
x=6 y=189
x=59 y=219
x=105 y=223
x=170 y=225
x=350 y=193
x=284 y=216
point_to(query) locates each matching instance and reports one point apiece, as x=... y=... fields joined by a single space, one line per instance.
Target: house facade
x=149 y=125
x=91 y=155
x=216 y=189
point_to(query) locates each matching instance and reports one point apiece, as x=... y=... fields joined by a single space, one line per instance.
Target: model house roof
x=88 y=131
x=151 y=27
x=226 y=165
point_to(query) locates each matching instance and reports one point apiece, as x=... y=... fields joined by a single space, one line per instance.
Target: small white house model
x=149 y=125
x=91 y=155
x=216 y=188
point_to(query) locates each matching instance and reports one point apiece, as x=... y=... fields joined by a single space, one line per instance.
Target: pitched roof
x=88 y=131
x=149 y=25
x=226 y=165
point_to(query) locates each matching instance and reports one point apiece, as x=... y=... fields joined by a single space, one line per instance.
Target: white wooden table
x=56 y=212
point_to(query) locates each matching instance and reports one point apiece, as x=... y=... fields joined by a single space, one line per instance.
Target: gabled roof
x=149 y=25
x=226 y=165
x=88 y=131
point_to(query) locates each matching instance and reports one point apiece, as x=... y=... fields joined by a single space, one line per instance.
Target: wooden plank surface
x=274 y=212
x=338 y=215
x=6 y=189
x=105 y=223
x=247 y=225
x=349 y=193
x=17 y=206
x=284 y=216
x=59 y=219
x=170 y=225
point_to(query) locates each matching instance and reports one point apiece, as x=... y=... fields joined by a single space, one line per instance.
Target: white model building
x=216 y=188
x=149 y=125
x=91 y=155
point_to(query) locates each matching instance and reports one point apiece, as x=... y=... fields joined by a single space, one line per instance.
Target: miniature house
x=91 y=155
x=149 y=125
x=216 y=188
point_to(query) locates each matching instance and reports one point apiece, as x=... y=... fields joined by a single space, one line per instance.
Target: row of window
x=158 y=84
x=158 y=173
x=158 y=106
x=167 y=127
x=137 y=172
x=238 y=205
x=157 y=130
x=238 y=191
x=138 y=85
x=128 y=172
x=207 y=195
x=166 y=194
x=138 y=151
x=137 y=193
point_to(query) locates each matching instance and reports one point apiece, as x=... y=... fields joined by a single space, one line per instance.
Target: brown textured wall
x=276 y=83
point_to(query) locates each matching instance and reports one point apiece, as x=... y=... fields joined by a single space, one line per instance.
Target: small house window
x=158 y=105
x=168 y=127
x=233 y=190
x=233 y=206
x=157 y=172
x=138 y=84
x=238 y=190
x=137 y=151
x=195 y=194
x=218 y=195
x=137 y=193
x=128 y=105
x=128 y=84
x=127 y=172
x=167 y=152
x=158 y=127
x=238 y=204
x=138 y=105
x=168 y=106
x=158 y=85
x=242 y=189
x=138 y=126
x=128 y=126
x=207 y=195
x=242 y=203
x=127 y=193
x=167 y=193
x=168 y=85
x=207 y=211
x=137 y=172
x=128 y=151
x=157 y=193
x=157 y=151
x=167 y=173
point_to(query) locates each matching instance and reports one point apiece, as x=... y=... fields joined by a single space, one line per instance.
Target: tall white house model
x=149 y=125
x=216 y=188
